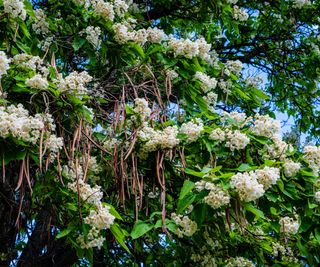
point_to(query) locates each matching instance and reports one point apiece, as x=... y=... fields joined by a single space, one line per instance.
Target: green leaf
x=186 y=188
x=185 y=202
x=258 y=213
x=140 y=228
x=113 y=211
x=78 y=42
x=119 y=235
x=244 y=167
x=63 y=233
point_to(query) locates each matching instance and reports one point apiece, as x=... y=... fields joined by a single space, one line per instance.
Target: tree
x=132 y=136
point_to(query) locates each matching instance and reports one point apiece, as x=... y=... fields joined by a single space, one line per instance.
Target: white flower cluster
x=204 y=260
x=45 y=44
x=208 y=83
x=239 y=262
x=93 y=35
x=110 y=144
x=225 y=85
x=301 y=3
x=30 y=62
x=172 y=74
x=236 y=140
x=91 y=240
x=124 y=33
x=235 y=118
x=75 y=83
x=37 y=82
x=291 y=168
x=265 y=126
x=254 y=81
x=40 y=25
x=317 y=196
x=240 y=14
x=141 y=107
x=311 y=154
x=87 y=193
x=233 y=66
x=15 y=121
x=211 y=99
x=218 y=135
x=247 y=186
x=252 y=185
x=4 y=64
x=99 y=216
x=98 y=219
x=156 y=139
x=278 y=149
x=104 y=9
x=190 y=49
x=232 y=1
x=15 y=8
x=192 y=130
x=285 y=253
x=289 y=225
x=217 y=197
x=268 y=176
x=53 y=144
x=187 y=226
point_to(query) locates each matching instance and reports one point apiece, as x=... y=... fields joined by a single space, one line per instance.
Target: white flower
x=172 y=74
x=189 y=49
x=278 y=149
x=236 y=140
x=166 y=139
x=289 y=225
x=37 y=82
x=240 y=14
x=208 y=83
x=237 y=118
x=40 y=25
x=120 y=7
x=211 y=98
x=234 y=67
x=239 y=262
x=311 y=154
x=268 y=176
x=75 y=83
x=218 y=135
x=247 y=186
x=155 y=35
x=104 y=9
x=141 y=107
x=93 y=35
x=291 y=168
x=100 y=218
x=54 y=143
x=265 y=126
x=15 y=121
x=187 y=226
x=317 y=196
x=192 y=130
x=301 y=3
x=217 y=196
x=4 y=64
x=15 y=8
x=254 y=81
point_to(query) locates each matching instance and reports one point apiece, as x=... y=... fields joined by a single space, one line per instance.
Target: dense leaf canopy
x=143 y=133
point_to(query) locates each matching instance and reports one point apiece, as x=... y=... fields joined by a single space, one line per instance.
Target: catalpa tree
x=140 y=133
